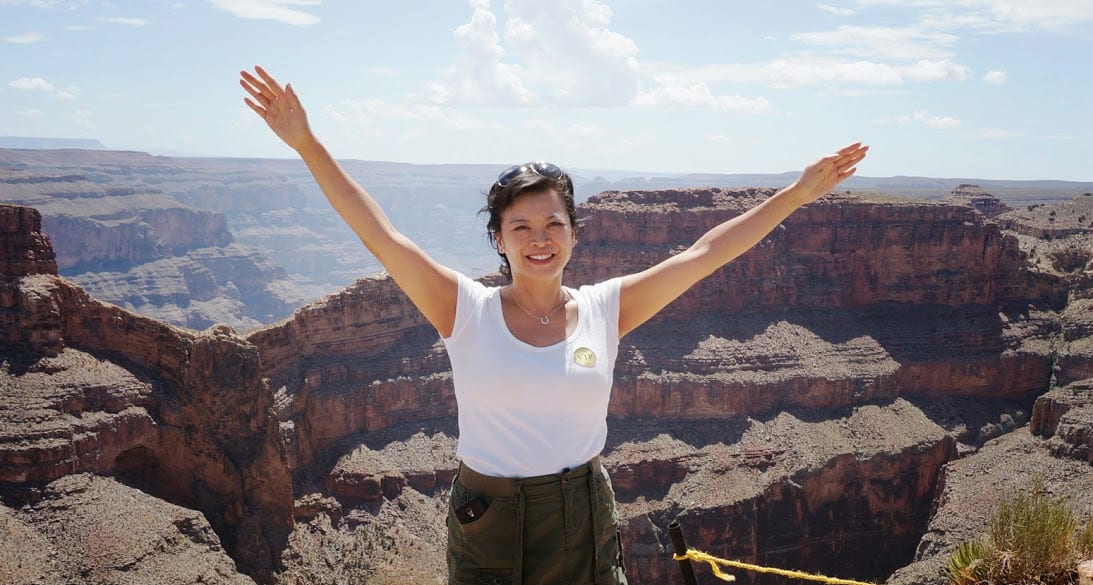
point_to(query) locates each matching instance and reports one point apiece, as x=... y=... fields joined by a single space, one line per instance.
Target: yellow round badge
x=584 y=357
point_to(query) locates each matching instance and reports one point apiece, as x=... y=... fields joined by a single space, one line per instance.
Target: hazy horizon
x=985 y=88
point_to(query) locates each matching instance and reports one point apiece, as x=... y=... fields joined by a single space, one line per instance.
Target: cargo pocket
x=609 y=568
x=482 y=551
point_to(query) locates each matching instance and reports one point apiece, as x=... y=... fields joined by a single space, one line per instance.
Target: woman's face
x=536 y=235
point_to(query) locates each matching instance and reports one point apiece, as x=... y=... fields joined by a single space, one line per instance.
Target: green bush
x=1085 y=542
x=1032 y=539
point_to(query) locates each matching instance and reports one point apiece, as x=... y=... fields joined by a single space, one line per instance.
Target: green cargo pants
x=557 y=529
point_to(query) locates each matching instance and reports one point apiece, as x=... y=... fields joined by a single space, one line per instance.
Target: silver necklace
x=545 y=319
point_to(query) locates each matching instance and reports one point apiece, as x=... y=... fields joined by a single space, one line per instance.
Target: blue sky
x=999 y=89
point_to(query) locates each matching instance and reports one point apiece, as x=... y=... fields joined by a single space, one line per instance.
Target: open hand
x=279 y=107
x=820 y=177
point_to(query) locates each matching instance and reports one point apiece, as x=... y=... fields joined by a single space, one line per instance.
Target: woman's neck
x=538 y=296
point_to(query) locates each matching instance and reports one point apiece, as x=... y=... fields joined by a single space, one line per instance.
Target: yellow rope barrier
x=713 y=561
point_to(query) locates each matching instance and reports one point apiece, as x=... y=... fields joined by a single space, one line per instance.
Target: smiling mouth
x=540 y=257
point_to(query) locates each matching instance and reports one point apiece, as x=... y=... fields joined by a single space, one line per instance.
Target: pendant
x=544 y=320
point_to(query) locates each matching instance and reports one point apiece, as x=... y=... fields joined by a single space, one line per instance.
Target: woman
x=532 y=361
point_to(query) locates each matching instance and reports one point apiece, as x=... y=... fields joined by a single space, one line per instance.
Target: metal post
x=676 y=533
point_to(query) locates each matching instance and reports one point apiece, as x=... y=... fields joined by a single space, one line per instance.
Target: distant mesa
x=37 y=143
x=975 y=197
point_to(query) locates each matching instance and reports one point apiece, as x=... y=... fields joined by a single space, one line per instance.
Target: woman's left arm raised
x=645 y=293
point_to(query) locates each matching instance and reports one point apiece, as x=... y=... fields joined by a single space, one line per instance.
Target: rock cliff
x=922 y=327
x=975 y=197
x=95 y=226
x=86 y=387
x=140 y=249
x=821 y=403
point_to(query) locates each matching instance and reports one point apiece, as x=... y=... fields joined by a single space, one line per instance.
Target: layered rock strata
x=975 y=197
x=796 y=409
x=92 y=529
x=95 y=226
x=852 y=301
x=184 y=416
x=140 y=249
x=853 y=306
x=972 y=487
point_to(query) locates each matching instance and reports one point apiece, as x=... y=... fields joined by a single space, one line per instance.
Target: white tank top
x=526 y=410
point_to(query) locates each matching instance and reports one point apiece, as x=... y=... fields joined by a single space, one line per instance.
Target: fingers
x=254 y=91
x=257 y=109
x=270 y=81
x=851 y=148
x=293 y=99
x=848 y=157
x=263 y=90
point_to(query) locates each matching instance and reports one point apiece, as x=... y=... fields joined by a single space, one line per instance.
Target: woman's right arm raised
x=431 y=286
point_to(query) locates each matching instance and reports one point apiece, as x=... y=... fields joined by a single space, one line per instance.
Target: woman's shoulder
x=604 y=291
x=479 y=290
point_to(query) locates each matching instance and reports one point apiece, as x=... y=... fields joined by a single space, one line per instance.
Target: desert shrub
x=1032 y=538
x=1085 y=541
x=968 y=564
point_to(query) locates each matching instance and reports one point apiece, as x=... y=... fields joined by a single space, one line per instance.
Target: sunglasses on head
x=541 y=168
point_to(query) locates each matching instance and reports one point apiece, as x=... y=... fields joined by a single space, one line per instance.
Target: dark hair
x=526 y=183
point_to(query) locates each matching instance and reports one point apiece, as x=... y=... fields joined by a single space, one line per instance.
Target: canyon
x=836 y=400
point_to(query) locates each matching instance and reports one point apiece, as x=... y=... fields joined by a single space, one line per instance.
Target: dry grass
x=1032 y=539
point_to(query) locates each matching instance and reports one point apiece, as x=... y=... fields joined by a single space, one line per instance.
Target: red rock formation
x=1050 y=222
x=92 y=530
x=852 y=301
x=839 y=252
x=972 y=487
x=975 y=197
x=778 y=383
x=24 y=249
x=92 y=225
x=89 y=387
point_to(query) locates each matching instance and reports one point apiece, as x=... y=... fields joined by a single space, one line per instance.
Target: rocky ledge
x=86 y=387
x=820 y=404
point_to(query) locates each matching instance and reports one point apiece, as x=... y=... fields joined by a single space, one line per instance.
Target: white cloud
x=31 y=84
x=35 y=3
x=128 y=21
x=366 y=112
x=25 y=38
x=936 y=71
x=799 y=71
x=570 y=48
x=692 y=93
x=479 y=76
x=996 y=77
x=922 y=117
x=31 y=113
x=837 y=10
x=39 y=84
x=285 y=11
x=943 y=122
x=908 y=43
x=997 y=15
x=561 y=53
